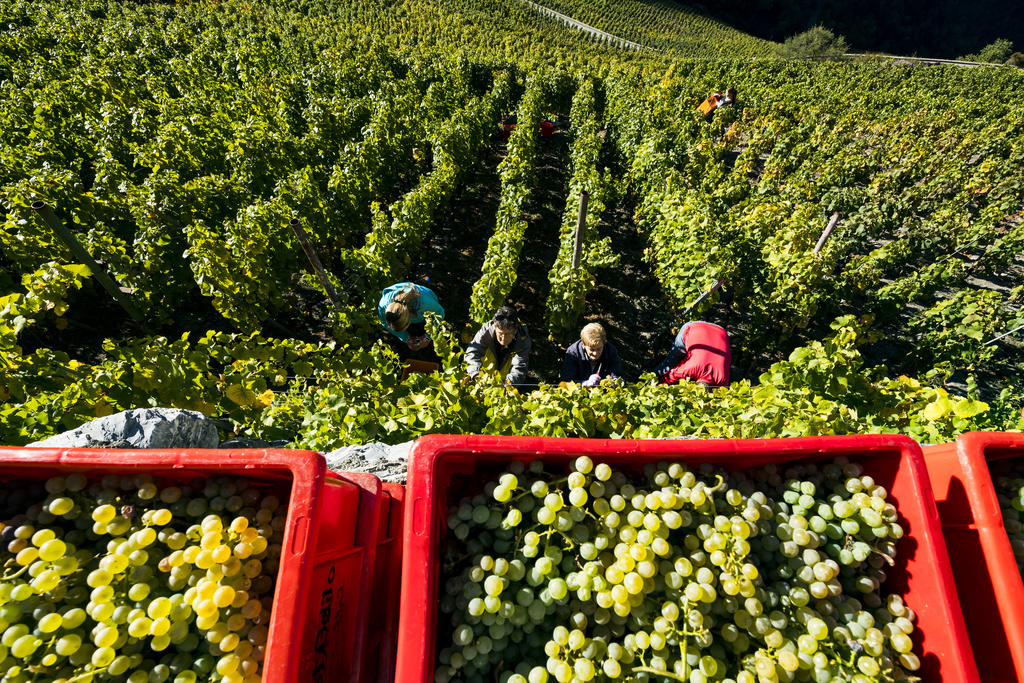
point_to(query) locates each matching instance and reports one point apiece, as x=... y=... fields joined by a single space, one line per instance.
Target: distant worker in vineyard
x=716 y=101
x=591 y=359
x=401 y=310
x=700 y=353
x=502 y=344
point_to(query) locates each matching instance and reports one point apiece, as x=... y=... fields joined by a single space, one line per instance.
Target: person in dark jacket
x=700 y=353
x=502 y=344
x=591 y=359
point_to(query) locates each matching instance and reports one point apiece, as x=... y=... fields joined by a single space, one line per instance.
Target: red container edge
x=984 y=567
x=946 y=654
x=308 y=472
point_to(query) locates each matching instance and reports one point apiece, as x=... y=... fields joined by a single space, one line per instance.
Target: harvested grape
x=114 y=584
x=678 y=574
x=1008 y=478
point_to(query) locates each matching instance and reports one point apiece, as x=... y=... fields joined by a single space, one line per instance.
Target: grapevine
x=569 y=286
x=517 y=175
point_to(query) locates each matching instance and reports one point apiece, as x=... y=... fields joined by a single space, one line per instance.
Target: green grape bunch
x=124 y=578
x=678 y=574
x=1008 y=478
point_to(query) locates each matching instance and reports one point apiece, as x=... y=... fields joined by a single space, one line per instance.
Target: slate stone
x=141 y=428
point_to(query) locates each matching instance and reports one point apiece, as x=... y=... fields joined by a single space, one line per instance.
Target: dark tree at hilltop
x=932 y=28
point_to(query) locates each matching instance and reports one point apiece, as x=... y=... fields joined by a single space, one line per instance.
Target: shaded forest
x=934 y=28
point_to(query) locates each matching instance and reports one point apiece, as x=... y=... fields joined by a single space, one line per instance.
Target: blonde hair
x=593 y=334
x=401 y=308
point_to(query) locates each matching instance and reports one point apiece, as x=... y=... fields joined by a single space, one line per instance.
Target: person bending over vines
x=502 y=344
x=401 y=310
x=700 y=353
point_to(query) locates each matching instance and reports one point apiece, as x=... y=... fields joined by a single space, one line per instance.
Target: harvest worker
x=717 y=101
x=502 y=344
x=700 y=353
x=591 y=359
x=401 y=310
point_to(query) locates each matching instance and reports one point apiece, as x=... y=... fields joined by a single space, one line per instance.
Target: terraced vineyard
x=178 y=141
x=664 y=25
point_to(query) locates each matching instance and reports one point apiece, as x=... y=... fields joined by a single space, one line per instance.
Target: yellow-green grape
x=624 y=545
x=105 y=637
x=52 y=550
x=162 y=517
x=60 y=559
x=138 y=591
x=50 y=622
x=99 y=577
x=104 y=514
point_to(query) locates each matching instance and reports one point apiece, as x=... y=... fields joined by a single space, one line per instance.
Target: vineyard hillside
x=449 y=143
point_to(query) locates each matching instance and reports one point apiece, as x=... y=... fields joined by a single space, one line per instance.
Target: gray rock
x=141 y=428
x=389 y=463
x=92 y=443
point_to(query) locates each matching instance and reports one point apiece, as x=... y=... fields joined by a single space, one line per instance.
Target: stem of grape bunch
x=662 y=674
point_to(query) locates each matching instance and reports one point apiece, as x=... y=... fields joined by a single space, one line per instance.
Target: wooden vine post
x=300 y=233
x=828 y=231
x=581 y=230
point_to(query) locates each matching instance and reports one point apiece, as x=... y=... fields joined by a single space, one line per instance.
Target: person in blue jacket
x=401 y=310
x=591 y=359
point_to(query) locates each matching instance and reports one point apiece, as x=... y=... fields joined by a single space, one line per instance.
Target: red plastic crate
x=922 y=572
x=335 y=637
x=387 y=584
x=412 y=365
x=984 y=567
x=316 y=502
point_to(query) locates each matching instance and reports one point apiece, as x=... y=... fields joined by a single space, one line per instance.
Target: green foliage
x=454 y=148
x=817 y=42
x=663 y=25
x=954 y=331
x=996 y=52
x=821 y=389
x=240 y=378
x=569 y=286
x=927 y=193
x=501 y=261
x=47 y=292
x=177 y=141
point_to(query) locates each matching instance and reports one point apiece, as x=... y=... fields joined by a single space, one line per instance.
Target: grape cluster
x=125 y=579
x=676 y=575
x=1008 y=477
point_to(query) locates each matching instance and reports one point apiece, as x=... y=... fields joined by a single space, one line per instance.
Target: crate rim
x=416 y=651
x=974 y=453
x=308 y=476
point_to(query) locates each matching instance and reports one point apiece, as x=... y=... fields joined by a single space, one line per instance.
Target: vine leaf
x=241 y=395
